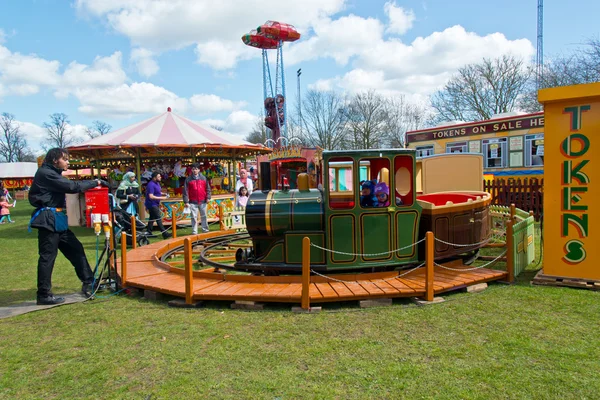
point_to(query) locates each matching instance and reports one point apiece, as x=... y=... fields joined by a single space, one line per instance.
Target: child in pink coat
x=4 y=212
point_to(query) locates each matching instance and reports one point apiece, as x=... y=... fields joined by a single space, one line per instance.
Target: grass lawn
x=515 y=342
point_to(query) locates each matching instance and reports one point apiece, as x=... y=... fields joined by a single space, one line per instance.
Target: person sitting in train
x=382 y=192
x=367 y=194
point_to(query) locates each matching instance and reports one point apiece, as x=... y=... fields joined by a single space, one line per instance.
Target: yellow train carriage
x=512 y=144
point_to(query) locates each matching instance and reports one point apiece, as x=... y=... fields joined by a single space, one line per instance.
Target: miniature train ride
x=380 y=226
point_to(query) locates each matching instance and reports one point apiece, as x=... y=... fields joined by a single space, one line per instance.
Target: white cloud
x=104 y=72
x=401 y=20
x=36 y=135
x=24 y=74
x=425 y=65
x=239 y=123
x=24 y=89
x=128 y=100
x=215 y=28
x=210 y=103
x=339 y=39
x=144 y=62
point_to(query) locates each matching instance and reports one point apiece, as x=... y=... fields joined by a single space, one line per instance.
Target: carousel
x=169 y=144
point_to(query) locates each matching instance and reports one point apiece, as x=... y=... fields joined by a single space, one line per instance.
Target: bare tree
x=323 y=119
x=13 y=145
x=402 y=117
x=366 y=120
x=98 y=128
x=479 y=91
x=258 y=135
x=59 y=132
x=295 y=135
x=581 y=66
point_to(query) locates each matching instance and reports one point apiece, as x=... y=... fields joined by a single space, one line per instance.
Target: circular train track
x=216 y=252
x=219 y=252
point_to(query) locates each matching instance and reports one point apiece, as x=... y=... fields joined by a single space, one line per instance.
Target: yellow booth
x=571 y=206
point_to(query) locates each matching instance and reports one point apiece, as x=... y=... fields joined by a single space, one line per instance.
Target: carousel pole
x=232 y=180
x=138 y=164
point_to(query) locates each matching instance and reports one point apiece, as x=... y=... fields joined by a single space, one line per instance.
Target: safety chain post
x=513 y=211
x=429 y=258
x=189 y=276
x=133 y=232
x=221 y=214
x=510 y=262
x=305 y=273
x=123 y=259
x=174 y=226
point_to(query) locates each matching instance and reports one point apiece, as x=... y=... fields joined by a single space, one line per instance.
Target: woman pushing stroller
x=128 y=194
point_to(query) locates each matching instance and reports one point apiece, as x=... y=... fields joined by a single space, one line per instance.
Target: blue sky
x=121 y=61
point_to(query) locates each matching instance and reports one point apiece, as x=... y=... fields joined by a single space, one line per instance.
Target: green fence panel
x=523 y=242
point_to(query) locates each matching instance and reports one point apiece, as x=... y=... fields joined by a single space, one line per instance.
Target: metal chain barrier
x=369 y=282
x=367 y=255
x=470 y=269
x=464 y=245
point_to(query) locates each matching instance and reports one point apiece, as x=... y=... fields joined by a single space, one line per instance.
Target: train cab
x=370 y=208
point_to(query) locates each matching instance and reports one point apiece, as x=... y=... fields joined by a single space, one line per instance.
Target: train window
x=534 y=150
x=375 y=183
x=403 y=180
x=340 y=172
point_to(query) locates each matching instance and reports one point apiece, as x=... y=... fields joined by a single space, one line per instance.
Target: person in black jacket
x=47 y=195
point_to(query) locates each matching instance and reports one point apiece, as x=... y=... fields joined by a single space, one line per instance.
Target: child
x=242 y=199
x=382 y=191
x=4 y=212
x=367 y=195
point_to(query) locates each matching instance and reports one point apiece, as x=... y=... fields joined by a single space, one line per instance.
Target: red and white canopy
x=166 y=130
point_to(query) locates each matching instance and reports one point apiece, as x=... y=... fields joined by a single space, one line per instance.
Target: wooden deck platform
x=144 y=270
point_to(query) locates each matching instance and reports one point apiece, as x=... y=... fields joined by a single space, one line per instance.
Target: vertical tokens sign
x=572 y=181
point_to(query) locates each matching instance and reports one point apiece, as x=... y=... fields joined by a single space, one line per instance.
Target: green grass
x=513 y=342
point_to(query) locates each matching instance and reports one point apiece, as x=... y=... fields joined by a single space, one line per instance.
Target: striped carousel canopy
x=166 y=130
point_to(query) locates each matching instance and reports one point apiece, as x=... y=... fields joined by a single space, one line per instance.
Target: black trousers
x=155 y=217
x=48 y=245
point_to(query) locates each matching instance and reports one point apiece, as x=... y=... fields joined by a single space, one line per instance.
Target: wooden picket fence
x=526 y=194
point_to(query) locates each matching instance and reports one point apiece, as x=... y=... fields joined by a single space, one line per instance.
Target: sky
x=122 y=61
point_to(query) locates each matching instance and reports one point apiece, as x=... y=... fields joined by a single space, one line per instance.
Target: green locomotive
x=368 y=214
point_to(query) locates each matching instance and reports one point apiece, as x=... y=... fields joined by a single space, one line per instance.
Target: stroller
x=122 y=220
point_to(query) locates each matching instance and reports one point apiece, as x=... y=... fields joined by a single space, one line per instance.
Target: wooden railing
x=527 y=194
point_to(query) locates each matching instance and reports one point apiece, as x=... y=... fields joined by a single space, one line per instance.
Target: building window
x=495 y=153
x=425 y=151
x=457 y=147
x=534 y=150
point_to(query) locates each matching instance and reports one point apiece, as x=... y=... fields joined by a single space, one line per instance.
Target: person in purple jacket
x=154 y=195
